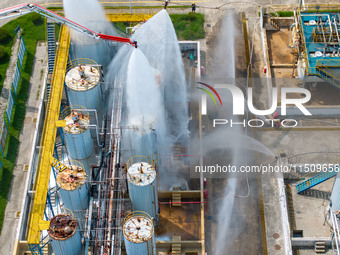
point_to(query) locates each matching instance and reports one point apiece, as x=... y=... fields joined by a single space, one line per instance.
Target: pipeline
x=114 y=170
x=336 y=30
x=320 y=15
x=290 y=34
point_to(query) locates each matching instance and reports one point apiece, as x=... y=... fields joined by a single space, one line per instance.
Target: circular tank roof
x=138 y=229
x=141 y=174
x=82 y=78
x=71 y=178
x=76 y=122
x=62 y=227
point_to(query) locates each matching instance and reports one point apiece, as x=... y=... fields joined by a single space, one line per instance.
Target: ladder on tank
x=315 y=180
x=51 y=49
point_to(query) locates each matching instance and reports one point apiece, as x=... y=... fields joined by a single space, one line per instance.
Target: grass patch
x=31 y=34
x=123 y=25
x=188 y=26
x=291 y=14
x=282 y=14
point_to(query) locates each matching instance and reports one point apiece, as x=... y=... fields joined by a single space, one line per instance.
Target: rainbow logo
x=209 y=93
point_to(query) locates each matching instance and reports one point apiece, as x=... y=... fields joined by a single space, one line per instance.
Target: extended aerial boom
x=26 y=8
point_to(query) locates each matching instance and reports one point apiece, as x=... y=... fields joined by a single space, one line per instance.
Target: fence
x=11 y=100
x=16 y=78
x=21 y=53
x=9 y=108
x=18 y=31
x=3 y=137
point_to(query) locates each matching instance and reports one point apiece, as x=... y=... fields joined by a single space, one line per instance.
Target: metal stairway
x=329 y=75
x=40 y=249
x=315 y=180
x=51 y=50
x=59 y=166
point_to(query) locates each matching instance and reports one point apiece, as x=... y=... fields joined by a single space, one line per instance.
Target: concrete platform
x=181 y=220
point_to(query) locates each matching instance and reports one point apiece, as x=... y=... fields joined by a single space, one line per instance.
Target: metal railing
x=336 y=233
x=36 y=222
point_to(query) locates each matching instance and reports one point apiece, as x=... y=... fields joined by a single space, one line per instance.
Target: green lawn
x=291 y=14
x=189 y=26
x=31 y=35
x=123 y=25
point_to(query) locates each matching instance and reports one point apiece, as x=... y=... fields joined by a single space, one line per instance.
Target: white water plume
x=158 y=41
x=90 y=14
x=144 y=105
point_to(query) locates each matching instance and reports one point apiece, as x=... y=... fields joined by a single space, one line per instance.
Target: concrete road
x=210 y=3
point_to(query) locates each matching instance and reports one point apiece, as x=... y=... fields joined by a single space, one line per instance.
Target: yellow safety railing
x=318 y=37
x=81 y=61
x=322 y=7
x=303 y=41
x=36 y=221
x=139 y=158
x=127 y=17
x=58 y=165
x=330 y=75
x=328 y=62
x=324 y=66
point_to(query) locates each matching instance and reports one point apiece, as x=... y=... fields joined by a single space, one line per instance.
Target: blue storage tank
x=77 y=135
x=142 y=184
x=73 y=188
x=143 y=136
x=65 y=237
x=83 y=84
x=139 y=235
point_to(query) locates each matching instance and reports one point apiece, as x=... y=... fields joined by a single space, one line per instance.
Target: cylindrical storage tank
x=65 y=239
x=142 y=184
x=139 y=234
x=73 y=189
x=83 y=84
x=77 y=135
x=143 y=136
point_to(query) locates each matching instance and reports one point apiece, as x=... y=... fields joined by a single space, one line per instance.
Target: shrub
x=3 y=53
x=285 y=13
x=4 y=35
x=191 y=16
x=37 y=19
